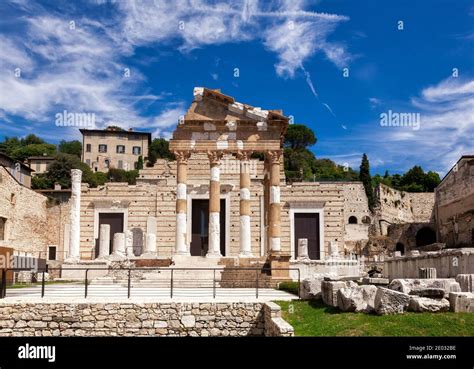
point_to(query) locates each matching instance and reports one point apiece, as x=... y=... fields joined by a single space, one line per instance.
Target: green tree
x=70 y=147
x=159 y=149
x=60 y=170
x=139 y=163
x=32 y=139
x=39 y=149
x=9 y=144
x=121 y=175
x=364 y=176
x=41 y=182
x=299 y=136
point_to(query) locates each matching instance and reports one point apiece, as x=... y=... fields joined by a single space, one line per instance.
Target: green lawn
x=313 y=318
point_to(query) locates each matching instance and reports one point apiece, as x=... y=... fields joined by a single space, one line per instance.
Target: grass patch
x=313 y=318
x=289 y=286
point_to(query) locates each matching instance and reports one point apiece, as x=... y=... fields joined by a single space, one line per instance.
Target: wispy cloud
x=79 y=66
x=446 y=130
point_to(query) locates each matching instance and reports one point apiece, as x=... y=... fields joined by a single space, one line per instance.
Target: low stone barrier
x=142 y=319
x=448 y=264
x=275 y=325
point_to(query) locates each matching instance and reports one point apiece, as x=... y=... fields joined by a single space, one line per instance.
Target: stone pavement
x=107 y=293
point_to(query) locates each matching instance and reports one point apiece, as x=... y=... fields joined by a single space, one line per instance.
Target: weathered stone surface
x=466 y=282
x=461 y=302
x=436 y=293
x=427 y=273
x=357 y=298
x=329 y=290
x=406 y=285
x=142 y=319
x=376 y=281
x=388 y=301
x=425 y=304
x=310 y=288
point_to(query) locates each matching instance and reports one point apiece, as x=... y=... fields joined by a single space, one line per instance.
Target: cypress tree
x=364 y=176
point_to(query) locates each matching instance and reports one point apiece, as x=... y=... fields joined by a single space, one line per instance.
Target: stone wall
x=448 y=263
x=155 y=195
x=141 y=319
x=25 y=211
x=455 y=205
x=58 y=228
x=396 y=207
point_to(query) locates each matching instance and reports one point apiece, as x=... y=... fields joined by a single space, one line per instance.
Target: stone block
x=461 y=302
x=357 y=298
x=434 y=293
x=425 y=304
x=406 y=285
x=427 y=273
x=375 y=281
x=310 y=288
x=389 y=301
x=329 y=290
x=466 y=282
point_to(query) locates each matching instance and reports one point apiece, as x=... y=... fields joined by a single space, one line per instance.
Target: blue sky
x=407 y=57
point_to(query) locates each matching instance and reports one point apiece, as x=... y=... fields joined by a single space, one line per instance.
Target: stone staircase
x=199 y=272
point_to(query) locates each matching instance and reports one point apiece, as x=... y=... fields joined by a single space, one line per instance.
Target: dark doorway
x=200 y=226
x=307 y=226
x=425 y=236
x=115 y=220
x=400 y=247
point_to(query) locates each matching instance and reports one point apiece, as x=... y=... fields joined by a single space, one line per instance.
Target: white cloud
x=446 y=130
x=81 y=69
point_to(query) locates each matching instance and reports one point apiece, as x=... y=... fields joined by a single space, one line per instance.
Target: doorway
x=200 y=227
x=115 y=220
x=307 y=226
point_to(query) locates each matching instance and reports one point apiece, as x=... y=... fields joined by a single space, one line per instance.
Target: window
x=120 y=164
x=3 y=222
x=107 y=163
x=120 y=149
x=137 y=150
x=102 y=148
x=52 y=253
x=352 y=220
x=88 y=148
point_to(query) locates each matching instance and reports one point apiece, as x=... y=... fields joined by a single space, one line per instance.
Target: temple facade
x=225 y=195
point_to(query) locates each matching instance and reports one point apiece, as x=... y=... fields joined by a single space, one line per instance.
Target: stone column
x=150 y=248
x=214 y=249
x=119 y=244
x=181 y=202
x=245 y=230
x=75 y=217
x=274 y=158
x=104 y=240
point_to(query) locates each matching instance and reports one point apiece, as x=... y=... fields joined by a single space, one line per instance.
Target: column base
x=72 y=260
x=182 y=253
x=215 y=255
x=246 y=255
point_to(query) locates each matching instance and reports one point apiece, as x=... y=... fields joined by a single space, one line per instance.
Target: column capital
x=215 y=157
x=274 y=156
x=182 y=156
x=244 y=155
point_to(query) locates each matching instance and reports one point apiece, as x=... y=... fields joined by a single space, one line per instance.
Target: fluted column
x=75 y=217
x=245 y=229
x=181 y=202
x=274 y=231
x=214 y=249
